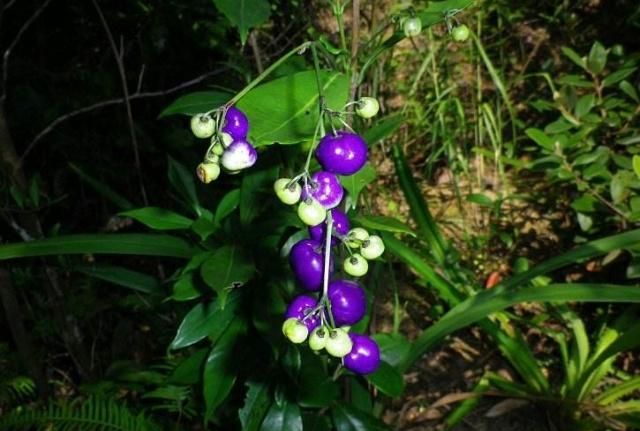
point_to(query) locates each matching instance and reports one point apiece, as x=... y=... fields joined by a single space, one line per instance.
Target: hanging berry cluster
x=324 y=319
x=228 y=129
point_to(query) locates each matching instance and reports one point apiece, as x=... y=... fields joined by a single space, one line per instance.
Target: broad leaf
x=388 y=380
x=393 y=348
x=196 y=103
x=347 y=418
x=159 y=218
x=244 y=14
x=256 y=405
x=355 y=183
x=183 y=182
x=227 y=205
x=294 y=117
x=597 y=59
x=383 y=129
x=228 y=268
x=283 y=416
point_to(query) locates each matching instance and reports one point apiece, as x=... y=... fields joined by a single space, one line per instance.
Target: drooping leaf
x=183 y=182
x=256 y=404
x=383 y=129
x=227 y=269
x=294 y=117
x=196 y=103
x=159 y=218
x=284 y=416
x=355 y=183
x=383 y=223
x=244 y=14
x=122 y=277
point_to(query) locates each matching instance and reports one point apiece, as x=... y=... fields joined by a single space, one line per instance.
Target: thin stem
x=327 y=253
x=298 y=49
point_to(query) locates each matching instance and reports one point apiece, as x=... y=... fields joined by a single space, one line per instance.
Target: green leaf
x=244 y=14
x=393 y=348
x=574 y=56
x=315 y=387
x=618 y=76
x=636 y=165
x=383 y=223
x=122 y=277
x=227 y=205
x=388 y=380
x=159 y=218
x=256 y=405
x=255 y=185
x=204 y=320
x=182 y=181
x=130 y=244
x=540 y=138
x=597 y=59
x=196 y=103
x=293 y=119
x=618 y=391
x=383 y=128
x=480 y=199
x=347 y=418
x=283 y=416
x=355 y=183
x=102 y=188
x=189 y=371
x=629 y=90
x=584 y=105
x=221 y=366
x=228 y=268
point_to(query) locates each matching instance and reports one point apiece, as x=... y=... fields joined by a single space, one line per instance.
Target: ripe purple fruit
x=307 y=261
x=300 y=307
x=344 y=153
x=325 y=188
x=236 y=124
x=341 y=226
x=239 y=155
x=364 y=357
x=348 y=302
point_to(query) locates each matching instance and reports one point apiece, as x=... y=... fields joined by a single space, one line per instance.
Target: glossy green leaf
x=597 y=59
x=159 y=218
x=122 y=277
x=618 y=75
x=227 y=205
x=221 y=367
x=294 y=117
x=244 y=14
x=256 y=404
x=205 y=320
x=116 y=243
x=255 y=186
x=189 y=371
x=388 y=380
x=383 y=128
x=315 y=387
x=574 y=56
x=283 y=416
x=227 y=269
x=383 y=223
x=348 y=418
x=196 y=103
x=636 y=165
x=540 y=138
x=393 y=348
x=354 y=184
x=182 y=180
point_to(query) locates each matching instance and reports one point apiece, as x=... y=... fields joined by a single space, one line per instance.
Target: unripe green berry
x=217 y=148
x=356 y=237
x=311 y=212
x=202 y=126
x=226 y=139
x=339 y=343
x=460 y=33
x=295 y=330
x=318 y=338
x=372 y=248
x=367 y=107
x=208 y=171
x=356 y=265
x=412 y=27
x=286 y=192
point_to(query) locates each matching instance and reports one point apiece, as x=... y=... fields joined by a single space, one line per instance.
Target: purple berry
x=307 y=261
x=344 y=153
x=341 y=226
x=236 y=124
x=239 y=155
x=348 y=302
x=300 y=307
x=325 y=188
x=364 y=357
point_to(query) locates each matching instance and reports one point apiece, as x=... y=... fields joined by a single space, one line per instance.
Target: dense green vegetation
x=147 y=262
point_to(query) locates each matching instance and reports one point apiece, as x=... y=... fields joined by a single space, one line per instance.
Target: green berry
x=217 y=148
x=372 y=248
x=367 y=107
x=460 y=33
x=356 y=237
x=412 y=27
x=339 y=343
x=208 y=171
x=311 y=212
x=356 y=265
x=202 y=126
x=295 y=330
x=286 y=192
x=318 y=338
x=227 y=139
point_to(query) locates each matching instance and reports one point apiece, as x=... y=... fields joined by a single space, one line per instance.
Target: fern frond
x=16 y=389
x=93 y=414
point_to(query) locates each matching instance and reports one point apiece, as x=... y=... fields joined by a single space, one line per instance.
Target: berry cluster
x=228 y=130
x=325 y=321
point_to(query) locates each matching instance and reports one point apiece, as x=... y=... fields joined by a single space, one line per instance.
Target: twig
x=253 y=41
x=55 y=123
x=9 y=50
x=118 y=54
